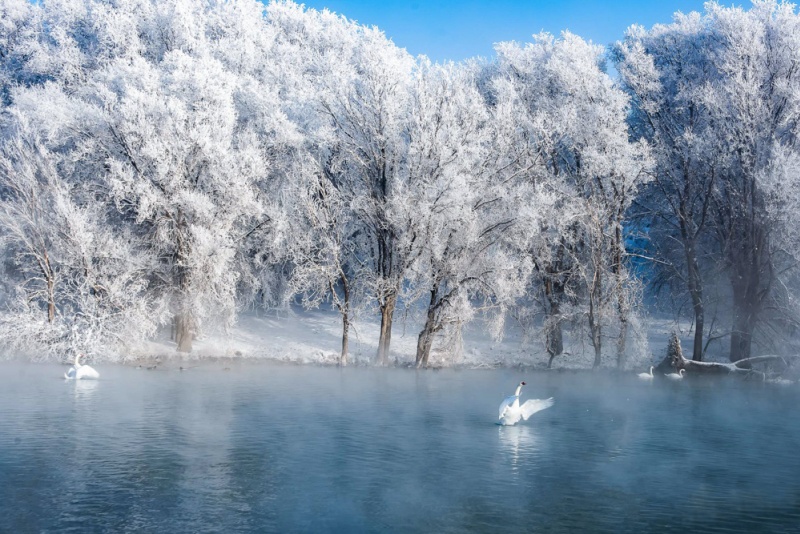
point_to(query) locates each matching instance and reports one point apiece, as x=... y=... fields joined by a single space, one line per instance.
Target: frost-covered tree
x=325 y=263
x=309 y=47
x=756 y=107
x=717 y=96
x=458 y=219
x=567 y=137
x=180 y=170
x=179 y=160
x=666 y=72
x=369 y=114
x=78 y=283
x=362 y=83
x=181 y=146
x=180 y=135
x=19 y=23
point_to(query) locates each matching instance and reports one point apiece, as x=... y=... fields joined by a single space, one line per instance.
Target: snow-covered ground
x=314 y=337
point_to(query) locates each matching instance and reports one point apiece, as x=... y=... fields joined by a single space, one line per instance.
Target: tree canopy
x=169 y=164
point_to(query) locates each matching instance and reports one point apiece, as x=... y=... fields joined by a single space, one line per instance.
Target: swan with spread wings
x=511 y=411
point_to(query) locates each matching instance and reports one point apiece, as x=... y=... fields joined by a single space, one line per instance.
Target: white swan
x=676 y=376
x=78 y=371
x=511 y=411
x=646 y=376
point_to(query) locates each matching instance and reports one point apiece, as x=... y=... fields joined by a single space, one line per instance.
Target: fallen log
x=674 y=361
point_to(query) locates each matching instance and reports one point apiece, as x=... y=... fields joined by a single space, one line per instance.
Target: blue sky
x=455 y=30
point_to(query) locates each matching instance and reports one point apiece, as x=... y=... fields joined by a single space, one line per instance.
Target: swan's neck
x=651 y=370
x=77 y=360
x=519 y=388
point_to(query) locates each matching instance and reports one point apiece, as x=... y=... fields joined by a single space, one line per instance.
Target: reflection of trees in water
x=519 y=442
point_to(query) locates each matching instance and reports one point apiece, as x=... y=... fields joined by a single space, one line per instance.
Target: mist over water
x=303 y=449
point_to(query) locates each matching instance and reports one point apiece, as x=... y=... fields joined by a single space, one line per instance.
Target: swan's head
x=682 y=371
x=522 y=383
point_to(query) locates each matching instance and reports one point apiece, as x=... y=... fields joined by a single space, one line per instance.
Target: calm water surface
x=266 y=448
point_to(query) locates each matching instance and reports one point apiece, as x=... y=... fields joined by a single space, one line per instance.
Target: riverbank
x=314 y=337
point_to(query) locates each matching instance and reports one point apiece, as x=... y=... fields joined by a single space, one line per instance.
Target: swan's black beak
x=522 y=383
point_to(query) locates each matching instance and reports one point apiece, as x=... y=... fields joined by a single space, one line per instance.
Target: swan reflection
x=84 y=389
x=519 y=442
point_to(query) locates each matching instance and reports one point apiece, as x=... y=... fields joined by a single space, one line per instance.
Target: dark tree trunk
x=597 y=343
x=595 y=328
x=385 y=340
x=51 y=301
x=745 y=239
x=184 y=332
x=424 y=344
x=690 y=226
x=345 y=339
x=184 y=321
x=554 y=337
x=623 y=308
x=695 y=284
x=555 y=341
x=622 y=341
x=743 y=324
x=49 y=276
x=384 y=234
x=745 y=282
x=425 y=340
x=345 y=320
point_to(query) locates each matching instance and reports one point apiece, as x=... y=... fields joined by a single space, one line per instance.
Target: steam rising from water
x=280 y=448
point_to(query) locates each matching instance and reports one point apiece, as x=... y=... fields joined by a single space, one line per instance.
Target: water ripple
x=288 y=449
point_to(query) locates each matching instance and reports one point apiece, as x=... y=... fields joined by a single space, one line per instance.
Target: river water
x=270 y=448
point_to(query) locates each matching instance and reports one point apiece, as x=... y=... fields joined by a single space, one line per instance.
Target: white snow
x=314 y=337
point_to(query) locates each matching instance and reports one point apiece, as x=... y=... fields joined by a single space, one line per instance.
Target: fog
x=290 y=448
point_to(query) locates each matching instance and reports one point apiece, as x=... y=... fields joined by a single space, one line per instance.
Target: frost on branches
x=165 y=166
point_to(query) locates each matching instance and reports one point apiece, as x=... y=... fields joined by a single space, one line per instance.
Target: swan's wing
x=506 y=404
x=531 y=406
